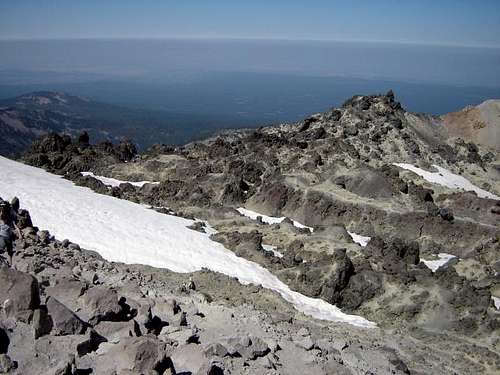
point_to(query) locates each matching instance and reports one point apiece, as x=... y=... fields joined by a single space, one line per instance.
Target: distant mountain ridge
x=26 y=117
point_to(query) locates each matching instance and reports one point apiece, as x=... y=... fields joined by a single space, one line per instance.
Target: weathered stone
x=115 y=331
x=67 y=291
x=190 y=358
x=64 y=321
x=100 y=303
x=42 y=322
x=19 y=294
x=137 y=354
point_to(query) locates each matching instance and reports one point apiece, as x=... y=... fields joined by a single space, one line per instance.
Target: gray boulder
x=100 y=303
x=19 y=294
x=115 y=331
x=64 y=321
x=67 y=291
x=139 y=355
x=190 y=358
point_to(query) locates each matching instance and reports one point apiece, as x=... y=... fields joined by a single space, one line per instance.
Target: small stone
x=273 y=345
x=216 y=350
x=351 y=131
x=306 y=343
x=185 y=336
x=303 y=332
x=6 y=364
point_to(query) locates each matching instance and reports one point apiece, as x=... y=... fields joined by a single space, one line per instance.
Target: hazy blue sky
x=460 y=22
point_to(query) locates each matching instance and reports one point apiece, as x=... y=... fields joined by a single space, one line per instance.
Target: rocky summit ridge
x=338 y=214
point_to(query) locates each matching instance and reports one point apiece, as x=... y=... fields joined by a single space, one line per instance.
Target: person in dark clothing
x=7 y=222
x=6 y=238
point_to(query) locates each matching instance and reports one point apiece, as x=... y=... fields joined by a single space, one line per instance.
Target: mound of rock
x=62 y=155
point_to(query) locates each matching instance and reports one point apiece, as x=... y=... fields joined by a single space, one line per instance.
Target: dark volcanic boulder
x=125 y=151
x=337 y=279
x=234 y=192
x=24 y=219
x=392 y=256
x=19 y=294
x=133 y=355
x=240 y=242
x=446 y=214
x=362 y=287
x=64 y=321
x=100 y=303
x=83 y=139
x=51 y=142
x=420 y=193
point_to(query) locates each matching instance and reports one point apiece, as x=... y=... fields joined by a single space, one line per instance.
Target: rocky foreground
x=65 y=310
x=334 y=172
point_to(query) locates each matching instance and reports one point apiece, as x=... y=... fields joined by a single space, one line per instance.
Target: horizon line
x=252 y=38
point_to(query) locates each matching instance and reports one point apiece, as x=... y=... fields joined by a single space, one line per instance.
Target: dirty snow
x=496 y=302
x=434 y=265
x=273 y=250
x=269 y=219
x=448 y=179
x=124 y=231
x=359 y=239
x=114 y=182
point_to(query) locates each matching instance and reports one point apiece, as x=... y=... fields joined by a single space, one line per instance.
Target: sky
x=452 y=22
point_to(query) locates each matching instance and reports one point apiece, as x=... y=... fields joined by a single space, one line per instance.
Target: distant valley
x=26 y=117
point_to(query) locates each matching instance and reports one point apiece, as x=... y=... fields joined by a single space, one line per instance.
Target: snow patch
x=123 y=231
x=115 y=183
x=434 y=265
x=448 y=179
x=496 y=302
x=269 y=219
x=272 y=249
x=359 y=239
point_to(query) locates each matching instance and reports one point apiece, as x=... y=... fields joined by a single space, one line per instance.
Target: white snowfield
x=359 y=239
x=123 y=231
x=269 y=219
x=114 y=182
x=434 y=265
x=448 y=179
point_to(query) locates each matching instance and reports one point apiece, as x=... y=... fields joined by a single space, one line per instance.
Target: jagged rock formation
x=334 y=171
x=58 y=153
